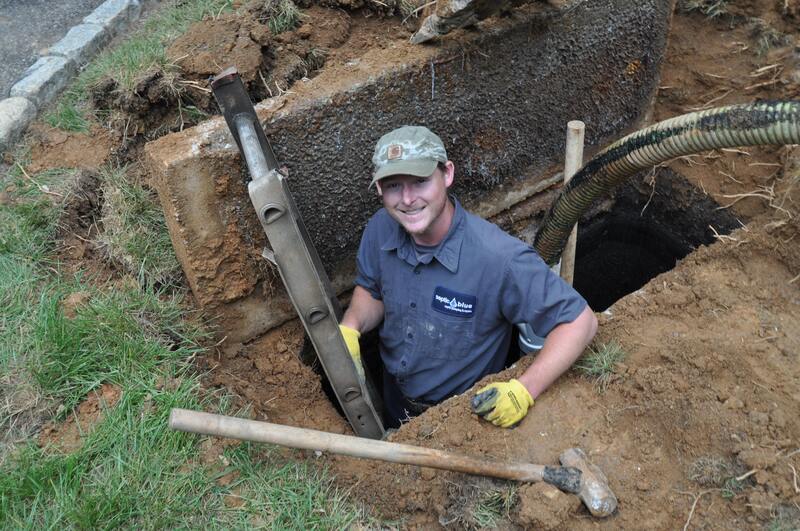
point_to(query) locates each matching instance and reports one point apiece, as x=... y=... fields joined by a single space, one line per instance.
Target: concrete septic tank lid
x=500 y=100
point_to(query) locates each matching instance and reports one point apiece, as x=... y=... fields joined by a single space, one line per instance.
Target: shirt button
x=410 y=335
x=403 y=363
x=413 y=304
x=416 y=271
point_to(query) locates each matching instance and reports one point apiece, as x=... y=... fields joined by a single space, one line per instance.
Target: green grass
x=600 y=362
x=134 y=230
x=128 y=62
x=130 y=469
x=280 y=15
x=67 y=116
x=285 y=18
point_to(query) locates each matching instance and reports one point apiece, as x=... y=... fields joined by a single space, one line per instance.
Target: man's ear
x=449 y=173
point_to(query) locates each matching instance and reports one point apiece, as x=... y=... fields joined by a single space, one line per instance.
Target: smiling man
x=446 y=288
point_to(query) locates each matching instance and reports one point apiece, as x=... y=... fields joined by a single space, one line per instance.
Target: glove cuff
x=521 y=391
x=349 y=332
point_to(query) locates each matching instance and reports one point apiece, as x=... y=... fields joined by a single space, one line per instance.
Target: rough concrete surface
x=499 y=102
x=15 y=114
x=44 y=79
x=115 y=14
x=81 y=43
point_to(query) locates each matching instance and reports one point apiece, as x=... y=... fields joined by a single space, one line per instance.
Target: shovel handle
x=251 y=430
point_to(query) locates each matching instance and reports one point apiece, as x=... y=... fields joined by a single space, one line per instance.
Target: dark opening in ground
x=654 y=221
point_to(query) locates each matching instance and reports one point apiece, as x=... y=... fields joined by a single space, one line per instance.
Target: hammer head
x=594 y=490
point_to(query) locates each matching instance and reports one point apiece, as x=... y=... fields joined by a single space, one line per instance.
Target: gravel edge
x=43 y=81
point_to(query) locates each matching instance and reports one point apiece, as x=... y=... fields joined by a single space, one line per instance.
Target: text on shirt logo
x=453 y=303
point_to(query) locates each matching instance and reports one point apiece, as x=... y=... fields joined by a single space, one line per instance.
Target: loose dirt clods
x=698 y=425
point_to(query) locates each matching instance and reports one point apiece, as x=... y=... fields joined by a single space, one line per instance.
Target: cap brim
x=419 y=168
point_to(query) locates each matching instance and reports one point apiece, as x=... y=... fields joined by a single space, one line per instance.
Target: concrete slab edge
x=48 y=76
x=15 y=116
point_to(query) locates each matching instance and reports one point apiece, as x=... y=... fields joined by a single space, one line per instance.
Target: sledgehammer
x=578 y=475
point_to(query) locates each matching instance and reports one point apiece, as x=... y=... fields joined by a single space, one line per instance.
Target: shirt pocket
x=445 y=338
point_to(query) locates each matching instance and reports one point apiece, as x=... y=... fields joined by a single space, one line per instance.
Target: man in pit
x=446 y=288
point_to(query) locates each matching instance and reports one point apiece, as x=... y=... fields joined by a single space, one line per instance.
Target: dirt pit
x=699 y=425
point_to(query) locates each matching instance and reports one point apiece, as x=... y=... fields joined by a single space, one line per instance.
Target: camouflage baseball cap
x=408 y=150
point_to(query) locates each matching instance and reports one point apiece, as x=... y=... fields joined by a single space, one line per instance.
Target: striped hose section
x=762 y=123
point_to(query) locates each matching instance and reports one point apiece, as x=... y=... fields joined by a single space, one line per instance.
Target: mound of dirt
x=52 y=148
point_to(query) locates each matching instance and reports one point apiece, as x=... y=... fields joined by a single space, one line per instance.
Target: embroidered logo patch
x=394 y=152
x=451 y=302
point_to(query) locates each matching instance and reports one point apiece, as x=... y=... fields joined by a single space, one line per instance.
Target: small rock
x=544 y=507
x=733 y=403
x=758 y=418
x=778 y=418
x=305 y=31
x=427 y=474
x=757 y=459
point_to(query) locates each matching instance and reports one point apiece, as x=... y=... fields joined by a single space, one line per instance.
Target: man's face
x=420 y=204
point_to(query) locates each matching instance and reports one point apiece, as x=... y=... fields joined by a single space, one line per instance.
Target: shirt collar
x=447 y=252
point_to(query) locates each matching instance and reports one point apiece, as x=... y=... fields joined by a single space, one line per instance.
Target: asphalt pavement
x=29 y=27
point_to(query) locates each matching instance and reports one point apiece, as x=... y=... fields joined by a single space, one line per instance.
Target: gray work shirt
x=449 y=312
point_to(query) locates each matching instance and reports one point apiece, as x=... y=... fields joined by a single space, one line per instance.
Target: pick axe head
x=594 y=490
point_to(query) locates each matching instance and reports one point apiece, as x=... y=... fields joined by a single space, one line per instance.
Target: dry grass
x=709 y=8
x=23 y=409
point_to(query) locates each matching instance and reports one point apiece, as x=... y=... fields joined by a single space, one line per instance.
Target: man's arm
x=364 y=312
x=564 y=345
x=505 y=404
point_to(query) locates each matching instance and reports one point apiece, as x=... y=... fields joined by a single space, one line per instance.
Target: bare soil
x=711 y=381
x=68 y=436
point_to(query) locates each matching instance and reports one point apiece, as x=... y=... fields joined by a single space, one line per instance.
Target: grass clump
x=68 y=116
x=766 y=36
x=280 y=15
x=709 y=8
x=492 y=507
x=600 y=362
x=784 y=518
x=135 y=232
x=711 y=471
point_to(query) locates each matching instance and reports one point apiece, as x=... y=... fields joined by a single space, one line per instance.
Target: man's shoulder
x=490 y=237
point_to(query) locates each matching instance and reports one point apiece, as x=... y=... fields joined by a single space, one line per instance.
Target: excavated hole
x=653 y=222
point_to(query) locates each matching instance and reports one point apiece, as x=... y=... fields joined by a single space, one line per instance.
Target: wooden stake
x=573 y=160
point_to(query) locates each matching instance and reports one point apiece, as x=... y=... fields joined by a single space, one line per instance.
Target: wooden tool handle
x=251 y=430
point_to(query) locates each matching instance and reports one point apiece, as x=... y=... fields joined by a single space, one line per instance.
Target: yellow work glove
x=503 y=404
x=351 y=340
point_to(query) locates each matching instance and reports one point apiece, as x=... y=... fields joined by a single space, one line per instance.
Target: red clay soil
x=710 y=388
x=68 y=436
x=711 y=378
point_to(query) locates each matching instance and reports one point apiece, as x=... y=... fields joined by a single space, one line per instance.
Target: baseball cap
x=407 y=150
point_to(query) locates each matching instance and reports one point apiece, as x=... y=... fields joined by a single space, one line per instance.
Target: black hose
x=762 y=123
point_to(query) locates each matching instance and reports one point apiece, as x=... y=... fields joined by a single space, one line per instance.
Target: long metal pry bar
x=295 y=256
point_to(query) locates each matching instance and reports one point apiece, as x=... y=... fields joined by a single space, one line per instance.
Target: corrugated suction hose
x=762 y=123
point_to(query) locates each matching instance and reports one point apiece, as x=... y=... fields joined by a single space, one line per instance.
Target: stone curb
x=45 y=79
